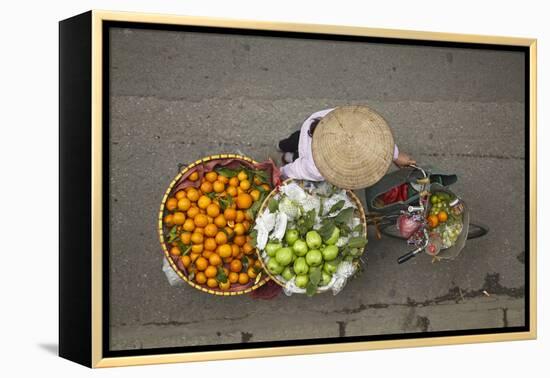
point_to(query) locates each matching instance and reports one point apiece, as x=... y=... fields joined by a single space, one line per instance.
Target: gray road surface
x=176 y=97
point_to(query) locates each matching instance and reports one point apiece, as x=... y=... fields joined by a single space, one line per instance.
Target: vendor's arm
x=402 y=159
x=301 y=169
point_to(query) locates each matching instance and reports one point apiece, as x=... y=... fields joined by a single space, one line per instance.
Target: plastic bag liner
x=401 y=176
x=454 y=251
x=337 y=283
x=171 y=276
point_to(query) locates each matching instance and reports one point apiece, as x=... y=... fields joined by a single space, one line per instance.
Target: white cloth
x=303 y=168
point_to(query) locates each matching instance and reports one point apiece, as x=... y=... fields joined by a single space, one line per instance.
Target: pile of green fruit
x=312 y=260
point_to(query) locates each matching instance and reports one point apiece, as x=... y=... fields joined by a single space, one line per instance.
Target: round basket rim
x=349 y=192
x=160 y=229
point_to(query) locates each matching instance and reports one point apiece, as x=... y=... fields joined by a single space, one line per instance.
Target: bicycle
x=387 y=222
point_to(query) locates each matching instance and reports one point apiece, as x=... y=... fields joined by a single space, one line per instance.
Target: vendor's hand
x=404 y=160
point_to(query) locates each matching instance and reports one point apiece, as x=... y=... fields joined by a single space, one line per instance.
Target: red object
x=268 y=291
x=396 y=194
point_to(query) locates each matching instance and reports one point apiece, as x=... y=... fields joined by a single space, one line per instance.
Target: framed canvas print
x=235 y=189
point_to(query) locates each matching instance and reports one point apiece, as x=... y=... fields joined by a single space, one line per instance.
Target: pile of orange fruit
x=209 y=228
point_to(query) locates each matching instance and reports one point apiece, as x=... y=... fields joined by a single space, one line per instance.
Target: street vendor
x=351 y=147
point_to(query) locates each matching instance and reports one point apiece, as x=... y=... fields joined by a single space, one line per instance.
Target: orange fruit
x=178 y=218
x=240 y=216
x=257 y=180
x=206 y=187
x=266 y=187
x=211 y=176
x=201 y=220
x=220 y=221
x=255 y=194
x=236 y=266
x=240 y=190
x=223 y=179
x=193 y=194
x=239 y=229
x=232 y=191
x=197 y=248
x=215 y=259
x=184 y=204
x=193 y=211
x=442 y=216
x=233 y=277
x=235 y=250
x=169 y=220
x=242 y=176
x=229 y=232
x=234 y=181
x=189 y=225
x=246 y=225
x=212 y=283
x=185 y=238
x=210 y=244
x=244 y=185
x=186 y=261
x=225 y=250
x=180 y=194
x=211 y=271
x=221 y=238
x=194 y=256
x=200 y=230
x=244 y=201
x=213 y=210
x=240 y=240
x=230 y=214
x=218 y=186
x=171 y=204
x=433 y=221
x=210 y=230
x=201 y=263
x=251 y=272
x=197 y=238
x=203 y=202
x=247 y=249
x=200 y=278
x=243 y=278
x=194 y=176
x=225 y=285
x=207 y=254
x=175 y=251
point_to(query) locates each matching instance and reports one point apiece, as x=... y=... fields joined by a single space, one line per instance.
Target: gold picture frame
x=94 y=356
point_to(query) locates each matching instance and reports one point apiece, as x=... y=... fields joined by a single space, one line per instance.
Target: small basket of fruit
x=448 y=221
x=311 y=236
x=205 y=223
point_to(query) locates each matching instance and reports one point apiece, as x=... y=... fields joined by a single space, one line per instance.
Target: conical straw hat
x=352 y=147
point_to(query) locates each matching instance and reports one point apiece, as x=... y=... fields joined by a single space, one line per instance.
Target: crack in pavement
x=488 y=156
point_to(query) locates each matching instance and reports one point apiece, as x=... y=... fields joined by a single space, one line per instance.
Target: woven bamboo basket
x=262 y=277
x=359 y=212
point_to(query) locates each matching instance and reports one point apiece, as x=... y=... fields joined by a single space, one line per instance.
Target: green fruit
x=274 y=267
x=325 y=278
x=334 y=237
x=330 y=267
x=302 y=280
x=313 y=240
x=271 y=248
x=284 y=256
x=330 y=252
x=314 y=257
x=300 y=266
x=287 y=273
x=291 y=236
x=300 y=247
x=434 y=199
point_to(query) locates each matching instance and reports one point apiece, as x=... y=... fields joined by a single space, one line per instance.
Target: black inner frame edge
x=106 y=25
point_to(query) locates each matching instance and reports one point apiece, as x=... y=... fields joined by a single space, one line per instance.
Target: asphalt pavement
x=178 y=96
